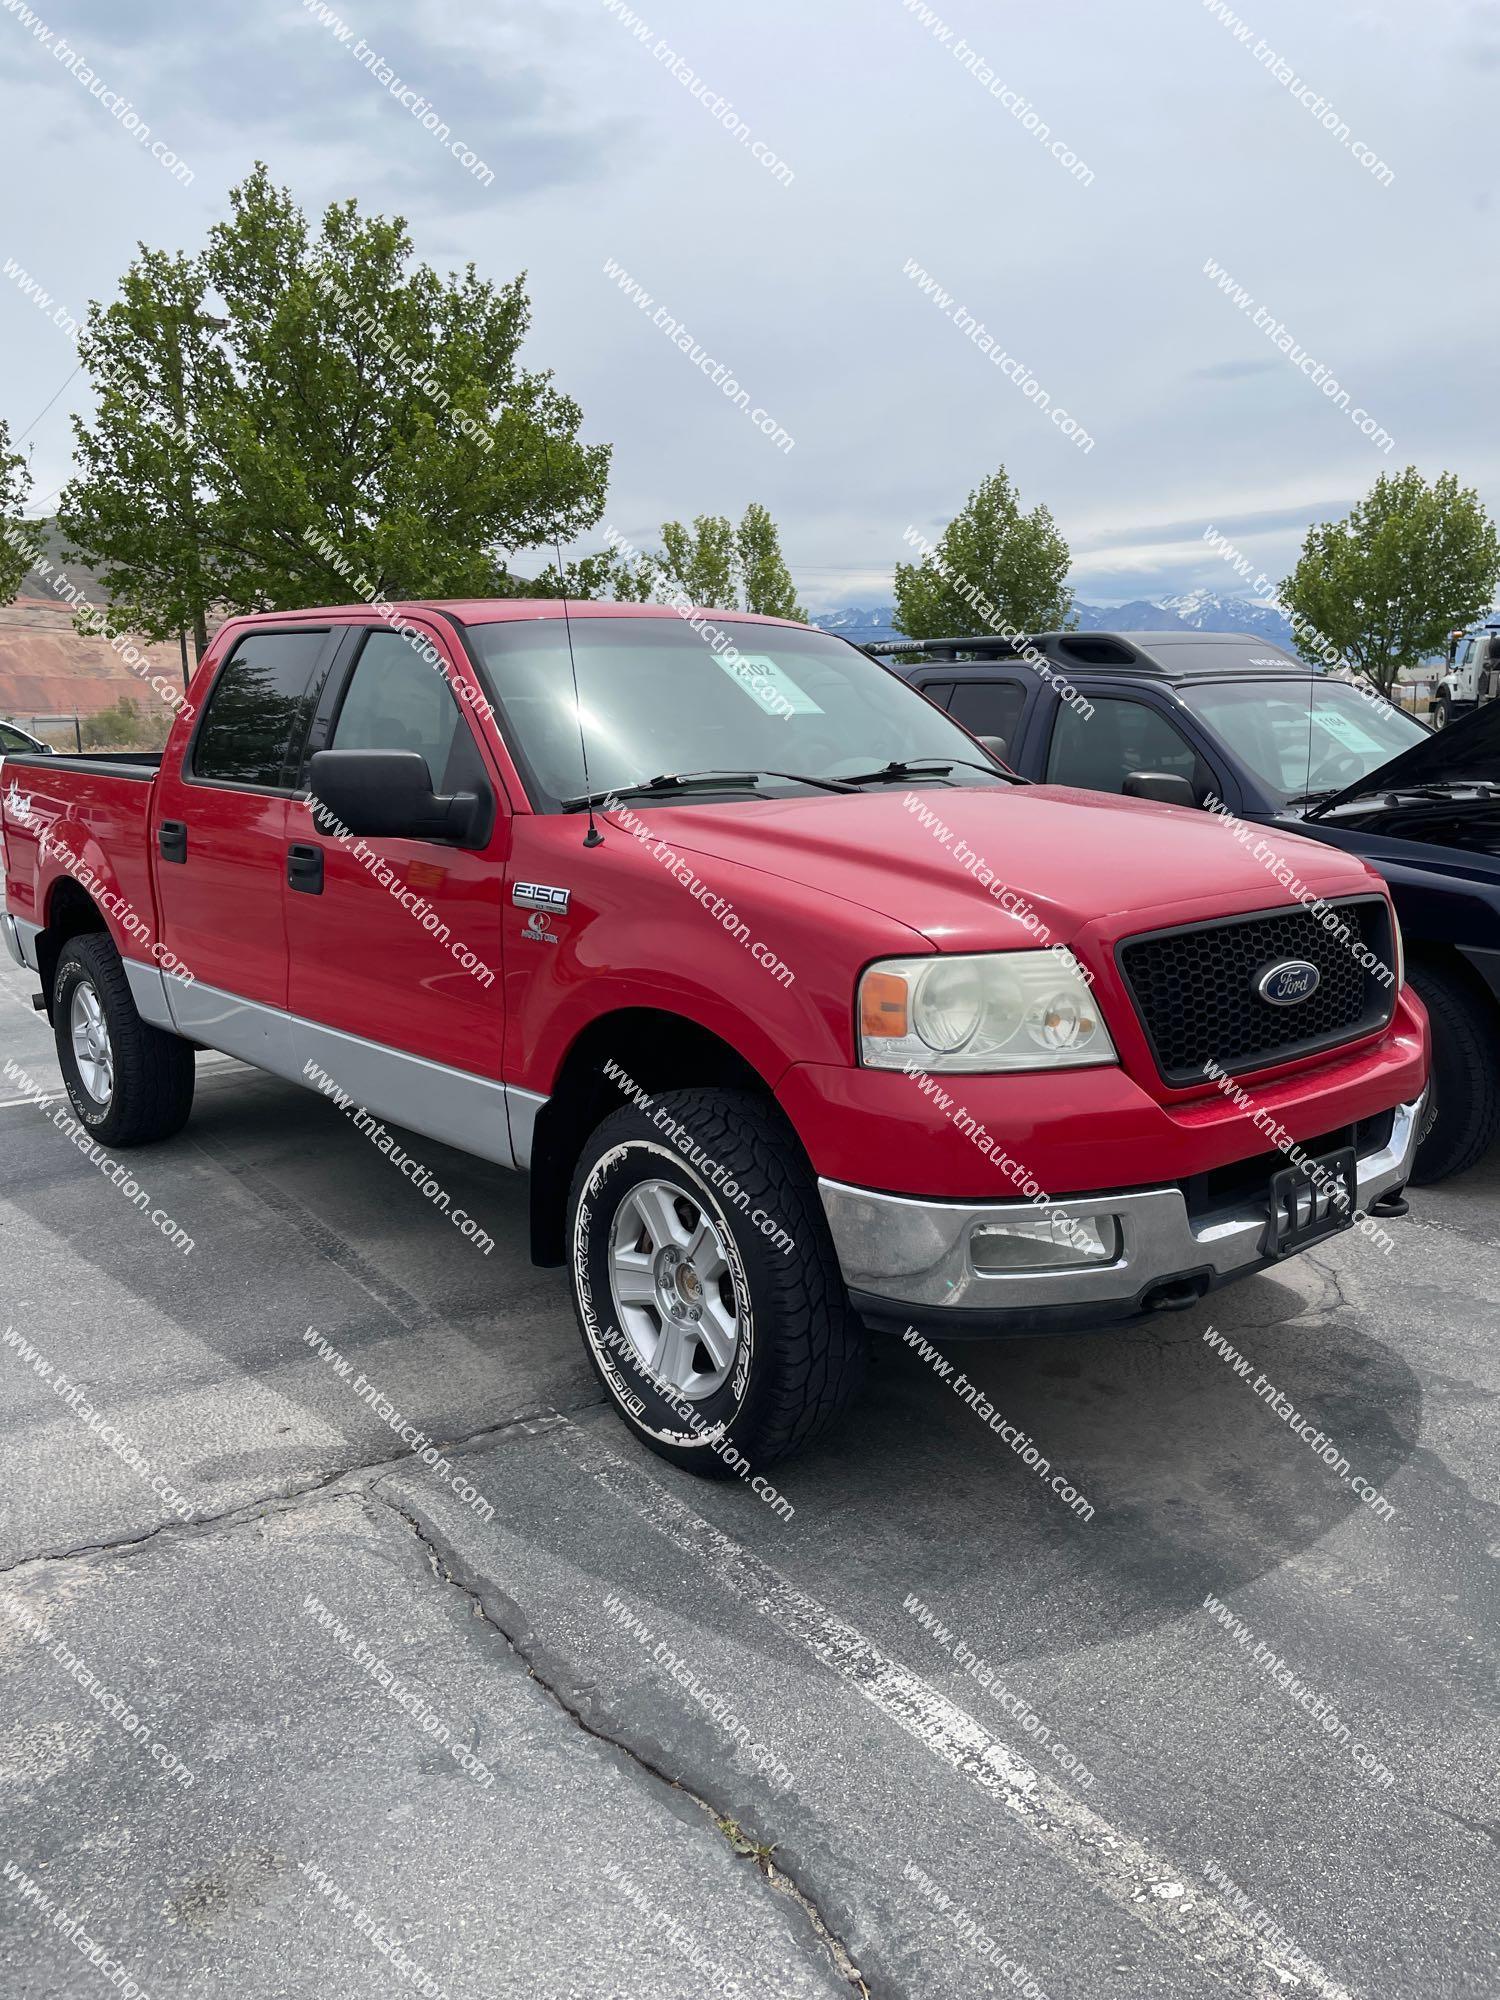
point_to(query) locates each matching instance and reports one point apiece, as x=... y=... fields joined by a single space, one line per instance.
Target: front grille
x=1195 y=988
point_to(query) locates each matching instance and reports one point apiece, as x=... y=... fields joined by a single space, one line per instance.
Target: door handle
x=171 y=840
x=304 y=868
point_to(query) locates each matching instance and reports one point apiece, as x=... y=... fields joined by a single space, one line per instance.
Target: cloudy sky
x=910 y=138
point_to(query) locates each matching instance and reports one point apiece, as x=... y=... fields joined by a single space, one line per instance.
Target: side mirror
x=387 y=794
x=1166 y=787
x=997 y=747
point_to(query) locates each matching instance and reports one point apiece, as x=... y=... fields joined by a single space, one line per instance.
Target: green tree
x=20 y=540
x=716 y=565
x=993 y=567
x=764 y=577
x=1389 y=582
x=293 y=416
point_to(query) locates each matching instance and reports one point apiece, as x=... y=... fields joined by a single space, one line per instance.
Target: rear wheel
x=1464 y=1112
x=706 y=1285
x=128 y=1082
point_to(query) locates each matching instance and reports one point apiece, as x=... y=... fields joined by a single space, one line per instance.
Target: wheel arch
x=652 y=1050
x=70 y=911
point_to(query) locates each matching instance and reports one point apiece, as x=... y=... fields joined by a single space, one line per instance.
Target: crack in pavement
x=249 y=1510
x=486 y=1598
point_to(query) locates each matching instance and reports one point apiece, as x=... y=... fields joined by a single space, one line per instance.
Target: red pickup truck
x=804 y=1014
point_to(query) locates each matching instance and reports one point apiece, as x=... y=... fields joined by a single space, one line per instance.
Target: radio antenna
x=593 y=838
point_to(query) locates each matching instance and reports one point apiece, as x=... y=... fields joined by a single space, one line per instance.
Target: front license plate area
x=1311 y=1201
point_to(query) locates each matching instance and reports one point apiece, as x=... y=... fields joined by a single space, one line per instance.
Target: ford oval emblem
x=1288 y=982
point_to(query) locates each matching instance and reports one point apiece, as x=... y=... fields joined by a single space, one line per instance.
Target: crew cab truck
x=1228 y=718
x=646 y=905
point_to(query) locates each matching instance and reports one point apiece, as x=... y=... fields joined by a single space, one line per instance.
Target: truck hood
x=963 y=867
x=1467 y=749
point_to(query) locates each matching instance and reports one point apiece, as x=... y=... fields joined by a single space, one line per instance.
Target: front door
x=395 y=987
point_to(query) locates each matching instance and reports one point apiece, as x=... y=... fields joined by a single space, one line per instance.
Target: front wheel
x=1465 y=1109
x=130 y=1083
x=706 y=1285
x=1442 y=712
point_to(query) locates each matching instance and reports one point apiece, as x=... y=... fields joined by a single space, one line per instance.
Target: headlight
x=999 y=1011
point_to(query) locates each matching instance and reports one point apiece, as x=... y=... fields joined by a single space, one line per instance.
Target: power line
x=47 y=406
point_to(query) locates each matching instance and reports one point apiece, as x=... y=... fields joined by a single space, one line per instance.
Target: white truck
x=1471 y=674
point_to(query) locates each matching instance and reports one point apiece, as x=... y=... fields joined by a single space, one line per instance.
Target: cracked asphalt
x=579 y=1725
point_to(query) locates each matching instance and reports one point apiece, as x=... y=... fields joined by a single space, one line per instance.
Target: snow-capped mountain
x=1193 y=610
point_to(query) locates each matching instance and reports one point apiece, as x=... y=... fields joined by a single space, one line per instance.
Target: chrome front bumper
x=904 y=1253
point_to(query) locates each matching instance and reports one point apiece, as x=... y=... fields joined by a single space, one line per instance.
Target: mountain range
x=1190 y=611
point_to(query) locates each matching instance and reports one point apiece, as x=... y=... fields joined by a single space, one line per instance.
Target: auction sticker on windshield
x=767 y=684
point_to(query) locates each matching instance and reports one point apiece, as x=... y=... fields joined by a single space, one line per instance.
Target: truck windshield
x=1305 y=737
x=658 y=695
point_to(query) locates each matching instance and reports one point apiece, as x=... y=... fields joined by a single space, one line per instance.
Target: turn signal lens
x=882 y=1004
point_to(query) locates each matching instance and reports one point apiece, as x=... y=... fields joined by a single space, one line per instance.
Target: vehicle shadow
x=1196 y=1483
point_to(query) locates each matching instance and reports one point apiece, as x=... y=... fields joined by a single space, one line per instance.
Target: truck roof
x=494 y=610
x=1173 y=656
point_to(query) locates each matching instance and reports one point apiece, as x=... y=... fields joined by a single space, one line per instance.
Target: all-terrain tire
x=151 y=1092
x=1465 y=1086
x=798 y=1349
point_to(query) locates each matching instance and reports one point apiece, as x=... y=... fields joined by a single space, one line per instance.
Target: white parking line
x=1164 y=1898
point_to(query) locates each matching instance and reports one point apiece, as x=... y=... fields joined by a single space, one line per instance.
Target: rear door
x=220 y=831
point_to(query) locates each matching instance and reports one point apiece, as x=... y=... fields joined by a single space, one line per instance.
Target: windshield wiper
x=930 y=767
x=693 y=781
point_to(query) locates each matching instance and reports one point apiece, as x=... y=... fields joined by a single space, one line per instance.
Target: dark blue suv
x=1192 y=716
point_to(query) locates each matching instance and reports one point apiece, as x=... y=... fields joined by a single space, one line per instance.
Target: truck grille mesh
x=1195 y=989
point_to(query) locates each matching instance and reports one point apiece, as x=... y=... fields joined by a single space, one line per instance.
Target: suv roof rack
x=1184 y=655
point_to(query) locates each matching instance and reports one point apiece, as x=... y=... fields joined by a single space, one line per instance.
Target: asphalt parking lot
x=549 y=1718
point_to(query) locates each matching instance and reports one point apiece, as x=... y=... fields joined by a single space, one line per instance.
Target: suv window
x=988 y=708
x=1098 y=752
x=258 y=709
x=396 y=700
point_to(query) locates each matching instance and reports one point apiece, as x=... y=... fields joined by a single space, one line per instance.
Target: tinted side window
x=398 y=701
x=988 y=708
x=12 y=739
x=1098 y=752
x=258 y=708
x=939 y=691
